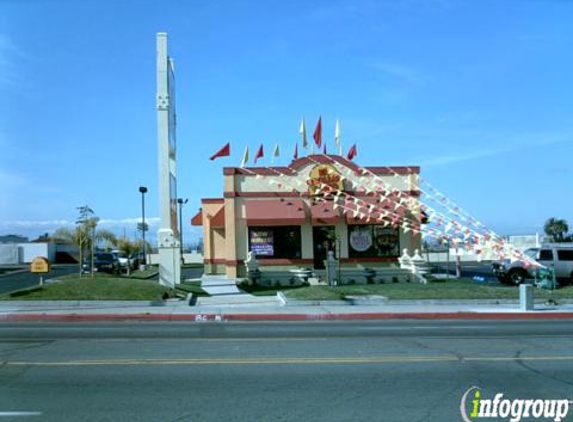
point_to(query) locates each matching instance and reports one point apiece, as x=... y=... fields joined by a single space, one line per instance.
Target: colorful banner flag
x=260 y=153
x=352 y=152
x=223 y=152
x=318 y=133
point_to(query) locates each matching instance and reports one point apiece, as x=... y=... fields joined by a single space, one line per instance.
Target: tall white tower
x=168 y=234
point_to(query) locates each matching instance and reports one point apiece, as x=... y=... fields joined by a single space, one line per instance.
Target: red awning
x=275 y=212
x=324 y=213
x=218 y=220
x=197 y=219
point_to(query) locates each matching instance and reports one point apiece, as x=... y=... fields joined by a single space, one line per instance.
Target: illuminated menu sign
x=262 y=242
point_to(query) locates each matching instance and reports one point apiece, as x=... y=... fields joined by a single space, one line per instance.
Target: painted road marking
x=289 y=361
x=257 y=361
x=141 y=339
x=514 y=358
x=13 y=414
x=432 y=327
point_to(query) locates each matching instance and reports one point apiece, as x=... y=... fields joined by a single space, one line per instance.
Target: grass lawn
x=101 y=287
x=451 y=289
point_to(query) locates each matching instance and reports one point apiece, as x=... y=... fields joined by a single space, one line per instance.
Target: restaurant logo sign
x=360 y=240
x=324 y=178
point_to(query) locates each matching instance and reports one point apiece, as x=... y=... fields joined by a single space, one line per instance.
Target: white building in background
x=24 y=253
x=526 y=241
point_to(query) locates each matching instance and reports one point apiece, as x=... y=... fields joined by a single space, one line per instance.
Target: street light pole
x=143 y=191
x=181 y=202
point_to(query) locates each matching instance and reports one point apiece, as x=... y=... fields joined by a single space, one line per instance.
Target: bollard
x=526 y=300
x=331 y=264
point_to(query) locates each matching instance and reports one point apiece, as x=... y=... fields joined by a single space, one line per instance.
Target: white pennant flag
x=245 y=159
x=337 y=137
x=302 y=132
x=275 y=153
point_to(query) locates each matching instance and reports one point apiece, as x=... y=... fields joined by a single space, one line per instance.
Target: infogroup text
x=474 y=406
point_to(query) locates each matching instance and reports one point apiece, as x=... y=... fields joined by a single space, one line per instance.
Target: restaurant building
x=290 y=217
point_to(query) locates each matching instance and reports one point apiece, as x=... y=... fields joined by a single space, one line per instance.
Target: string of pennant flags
x=446 y=222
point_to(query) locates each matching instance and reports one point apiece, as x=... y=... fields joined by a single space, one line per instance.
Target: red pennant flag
x=260 y=153
x=318 y=133
x=352 y=152
x=223 y=152
x=295 y=156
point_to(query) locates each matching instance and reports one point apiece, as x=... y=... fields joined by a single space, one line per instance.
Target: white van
x=558 y=256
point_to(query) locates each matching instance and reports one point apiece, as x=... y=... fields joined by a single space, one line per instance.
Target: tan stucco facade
x=226 y=220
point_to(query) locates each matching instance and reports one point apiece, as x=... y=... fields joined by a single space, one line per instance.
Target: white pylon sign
x=168 y=233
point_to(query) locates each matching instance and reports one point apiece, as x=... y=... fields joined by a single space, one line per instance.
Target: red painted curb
x=210 y=317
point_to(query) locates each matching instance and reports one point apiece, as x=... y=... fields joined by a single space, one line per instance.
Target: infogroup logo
x=513 y=410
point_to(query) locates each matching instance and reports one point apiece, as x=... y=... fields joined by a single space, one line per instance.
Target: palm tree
x=556 y=229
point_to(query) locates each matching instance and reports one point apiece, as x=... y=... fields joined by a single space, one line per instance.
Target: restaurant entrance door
x=324 y=240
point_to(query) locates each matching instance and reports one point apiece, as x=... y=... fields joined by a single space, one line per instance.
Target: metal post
x=448 y=259
x=92 y=251
x=181 y=202
x=143 y=191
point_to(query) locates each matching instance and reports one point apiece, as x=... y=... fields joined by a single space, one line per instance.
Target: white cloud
x=398 y=71
x=104 y=222
x=519 y=143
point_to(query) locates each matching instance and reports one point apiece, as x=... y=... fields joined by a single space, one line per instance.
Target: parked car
x=125 y=262
x=103 y=262
x=558 y=256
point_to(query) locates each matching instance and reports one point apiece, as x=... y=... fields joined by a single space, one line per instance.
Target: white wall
x=32 y=250
x=190 y=258
x=9 y=254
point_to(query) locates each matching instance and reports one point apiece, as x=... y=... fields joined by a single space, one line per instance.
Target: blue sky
x=476 y=92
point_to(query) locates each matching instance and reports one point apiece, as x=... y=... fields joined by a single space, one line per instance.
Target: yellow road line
x=286 y=361
x=256 y=361
x=141 y=339
x=514 y=358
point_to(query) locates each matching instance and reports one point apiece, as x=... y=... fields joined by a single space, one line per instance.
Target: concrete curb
x=222 y=317
x=399 y=302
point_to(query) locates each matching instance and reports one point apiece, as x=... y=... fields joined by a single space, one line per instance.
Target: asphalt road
x=21 y=280
x=323 y=371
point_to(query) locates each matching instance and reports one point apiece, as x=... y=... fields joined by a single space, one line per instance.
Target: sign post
x=168 y=234
x=40 y=265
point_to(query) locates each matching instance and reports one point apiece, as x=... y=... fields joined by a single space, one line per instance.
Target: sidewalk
x=270 y=309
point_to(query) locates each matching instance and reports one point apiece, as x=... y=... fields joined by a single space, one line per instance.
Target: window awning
x=216 y=220
x=197 y=219
x=276 y=212
x=324 y=213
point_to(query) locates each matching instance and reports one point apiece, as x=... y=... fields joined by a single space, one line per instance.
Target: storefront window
x=369 y=241
x=275 y=242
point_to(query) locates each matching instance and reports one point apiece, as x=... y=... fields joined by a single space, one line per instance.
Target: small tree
x=86 y=235
x=556 y=229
